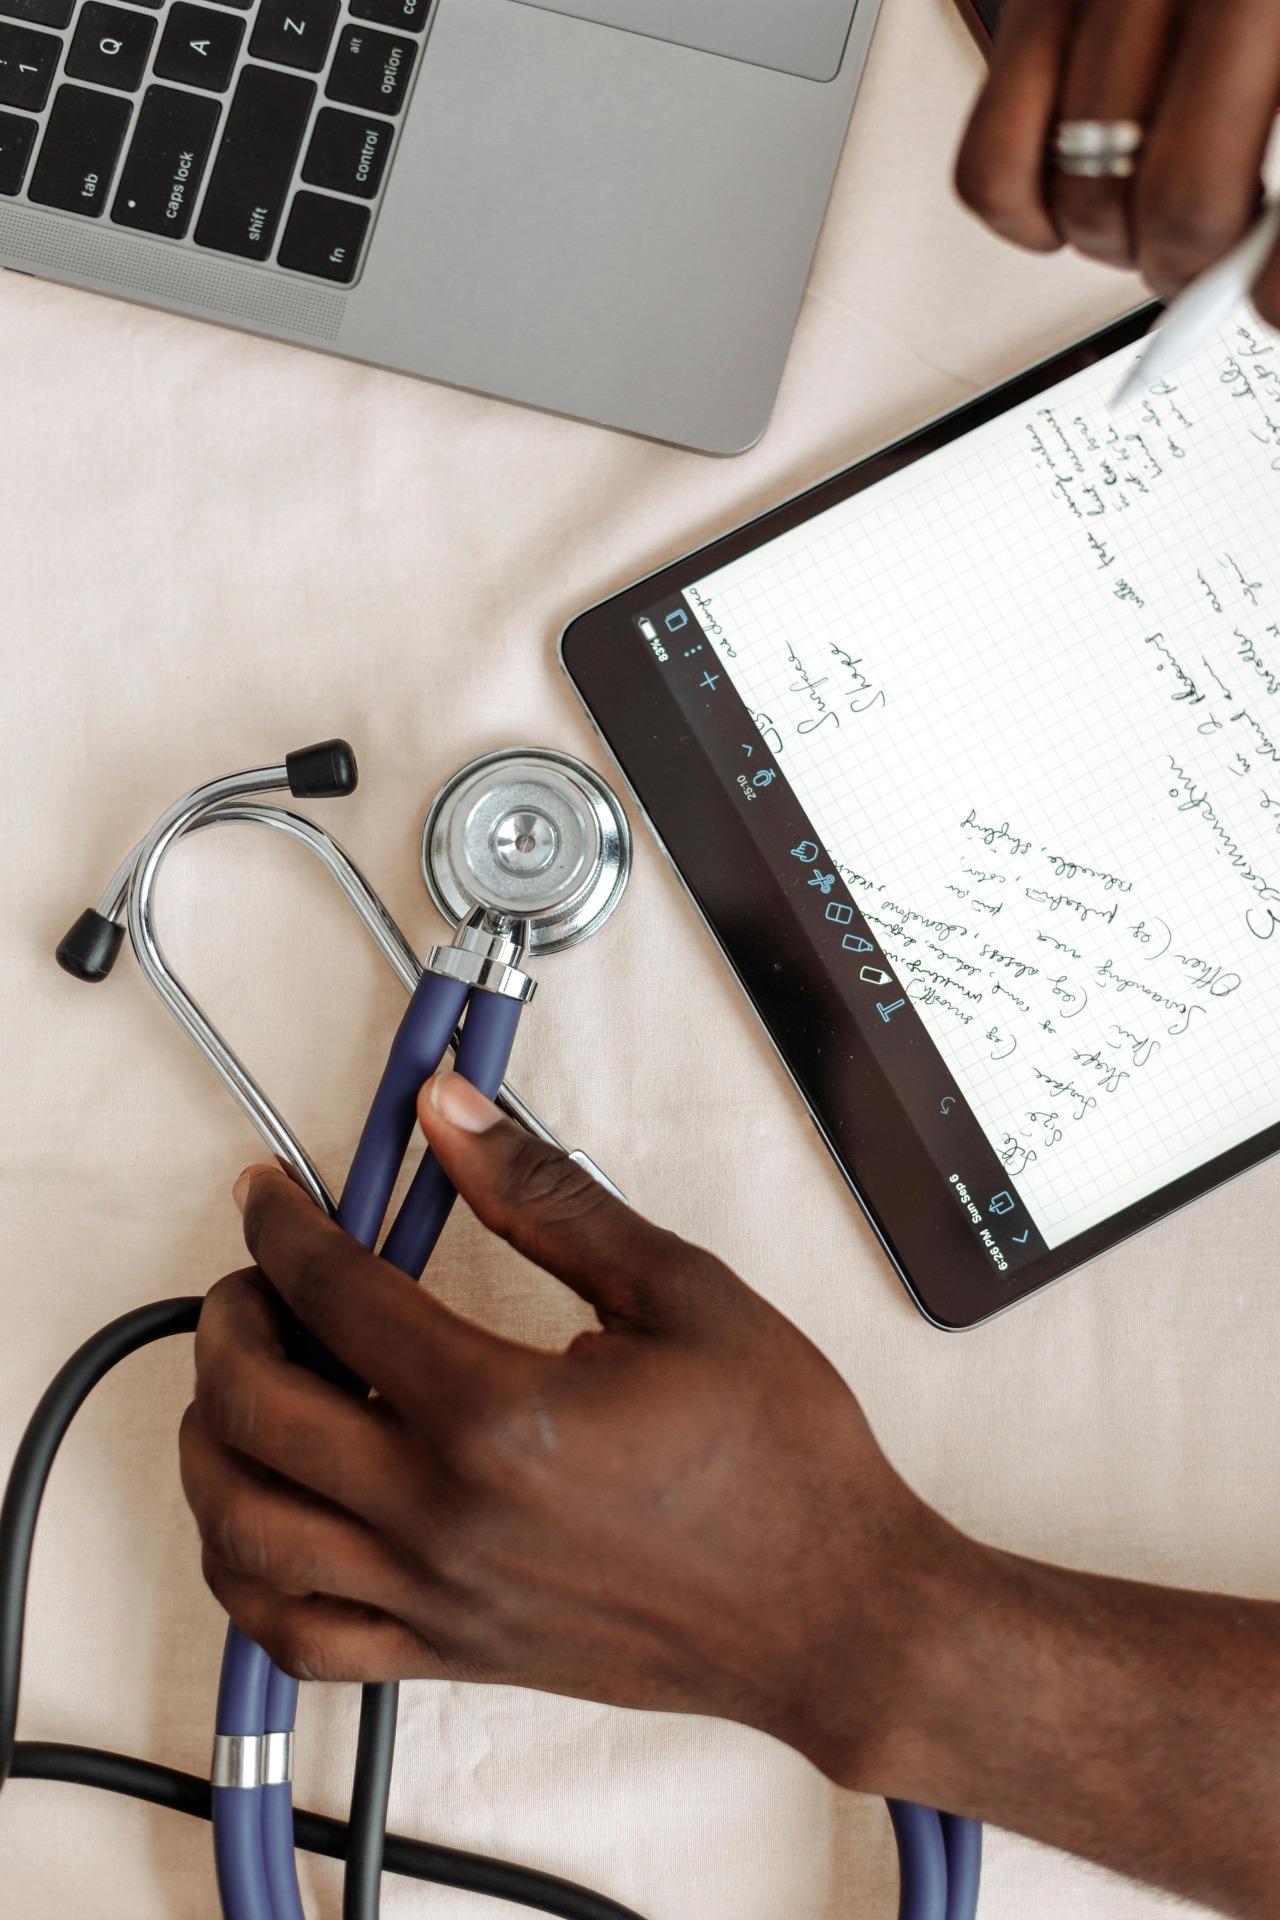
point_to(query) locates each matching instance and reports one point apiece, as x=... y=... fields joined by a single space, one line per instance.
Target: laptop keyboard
x=261 y=129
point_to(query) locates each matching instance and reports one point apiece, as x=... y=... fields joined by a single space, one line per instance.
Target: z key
x=295 y=33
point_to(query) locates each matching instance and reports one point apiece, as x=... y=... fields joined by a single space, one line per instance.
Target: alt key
x=324 y=237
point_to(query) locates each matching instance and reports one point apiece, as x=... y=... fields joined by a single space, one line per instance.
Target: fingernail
x=240 y=1191
x=462 y=1104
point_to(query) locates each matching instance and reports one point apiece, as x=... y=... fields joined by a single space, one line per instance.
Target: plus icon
x=709 y=681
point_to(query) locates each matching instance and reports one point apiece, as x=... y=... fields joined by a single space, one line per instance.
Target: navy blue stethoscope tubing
x=939 y=1855
x=939 y=1863
x=253 y=1827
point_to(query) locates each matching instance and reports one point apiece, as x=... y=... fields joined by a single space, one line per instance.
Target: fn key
x=324 y=237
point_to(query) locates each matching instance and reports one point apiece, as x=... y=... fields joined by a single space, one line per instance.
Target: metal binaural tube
x=374 y=916
x=235 y=1076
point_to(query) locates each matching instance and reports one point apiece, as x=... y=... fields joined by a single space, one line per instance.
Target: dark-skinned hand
x=684 y=1510
x=687 y=1510
x=1203 y=78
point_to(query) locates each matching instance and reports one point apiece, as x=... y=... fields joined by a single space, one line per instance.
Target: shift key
x=165 y=162
x=251 y=176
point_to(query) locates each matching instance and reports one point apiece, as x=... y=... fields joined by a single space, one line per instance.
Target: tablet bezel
x=621 y=688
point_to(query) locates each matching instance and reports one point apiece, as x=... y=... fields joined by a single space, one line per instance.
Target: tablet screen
x=1004 y=721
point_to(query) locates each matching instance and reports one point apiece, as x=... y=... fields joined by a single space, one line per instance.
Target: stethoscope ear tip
x=88 y=950
x=323 y=772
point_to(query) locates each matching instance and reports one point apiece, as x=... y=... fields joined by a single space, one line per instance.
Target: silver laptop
x=603 y=207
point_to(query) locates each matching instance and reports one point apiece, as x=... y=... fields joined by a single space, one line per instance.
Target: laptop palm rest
x=801 y=37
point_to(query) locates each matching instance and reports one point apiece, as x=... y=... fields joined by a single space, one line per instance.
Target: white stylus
x=1200 y=309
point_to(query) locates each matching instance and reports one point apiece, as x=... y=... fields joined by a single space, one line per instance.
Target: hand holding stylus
x=1173 y=103
x=687 y=1510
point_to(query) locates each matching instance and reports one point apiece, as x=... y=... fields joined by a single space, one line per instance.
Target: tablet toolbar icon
x=675 y=621
x=806 y=853
x=854 y=943
x=875 y=976
x=822 y=881
x=887 y=1012
x=710 y=681
x=839 y=913
x=1002 y=1202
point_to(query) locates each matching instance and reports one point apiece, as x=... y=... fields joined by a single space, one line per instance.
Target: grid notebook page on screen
x=1027 y=692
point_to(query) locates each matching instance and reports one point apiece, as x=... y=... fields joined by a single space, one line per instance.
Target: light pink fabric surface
x=216 y=549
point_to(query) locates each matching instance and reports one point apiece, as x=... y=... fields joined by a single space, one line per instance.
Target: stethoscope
x=524 y=853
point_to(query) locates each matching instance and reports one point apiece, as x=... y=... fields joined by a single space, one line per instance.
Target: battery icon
x=647 y=628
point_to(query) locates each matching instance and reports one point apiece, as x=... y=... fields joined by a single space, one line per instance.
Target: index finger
x=1000 y=170
x=366 y=1313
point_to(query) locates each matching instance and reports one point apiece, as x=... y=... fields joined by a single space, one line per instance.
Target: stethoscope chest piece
x=529 y=833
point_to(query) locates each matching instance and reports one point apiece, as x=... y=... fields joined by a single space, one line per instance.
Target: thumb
x=551 y=1210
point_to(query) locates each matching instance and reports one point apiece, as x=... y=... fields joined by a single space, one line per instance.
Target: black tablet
x=970 y=760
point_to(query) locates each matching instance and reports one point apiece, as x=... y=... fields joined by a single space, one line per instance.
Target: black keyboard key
x=370 y=70
x=410 y=15
x=110 y=46
x=40 y=13
x=199 y=47
x=254 y=166
x=28 y=62
x=324 y=237
x=17 y=137
x=166 y=161
x=295 y=33
x=348 y=153
x=82 y=142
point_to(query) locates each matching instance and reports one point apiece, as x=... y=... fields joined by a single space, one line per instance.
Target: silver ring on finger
x=1098 y=149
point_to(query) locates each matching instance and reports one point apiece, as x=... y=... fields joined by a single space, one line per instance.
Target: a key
x=17 y=137
x=370 y=70
x=410 y=15
x=110 y=46
x=199 y=47
x=40 y=13
x=254 y=164
x=28 y=62
x=295 y=33
x=77 y=157
x=324 y=236
x=348 y=152
x=166 y=161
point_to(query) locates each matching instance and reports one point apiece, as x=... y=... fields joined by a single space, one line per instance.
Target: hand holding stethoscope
x=524 y=853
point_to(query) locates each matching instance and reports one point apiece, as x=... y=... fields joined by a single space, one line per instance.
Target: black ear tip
x=322 y=772
x=88 y=949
